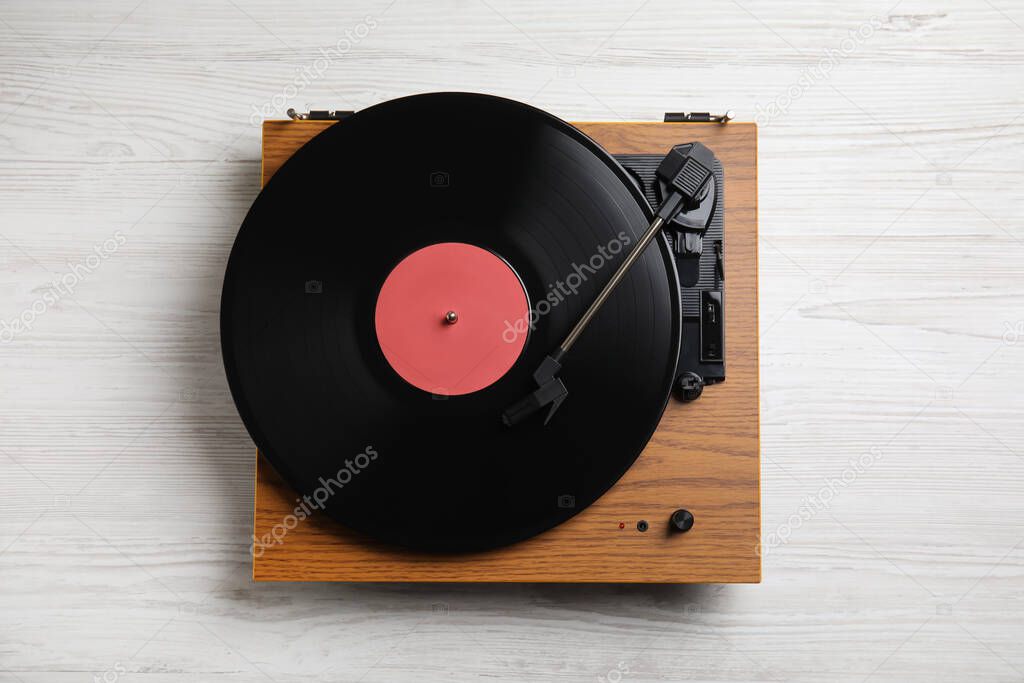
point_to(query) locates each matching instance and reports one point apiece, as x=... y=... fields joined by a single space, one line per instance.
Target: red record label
x=446 y=318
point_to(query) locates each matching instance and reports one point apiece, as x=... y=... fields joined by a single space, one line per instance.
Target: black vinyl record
x=318 y=396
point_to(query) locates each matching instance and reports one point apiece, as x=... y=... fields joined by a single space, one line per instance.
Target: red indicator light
x=622 y=525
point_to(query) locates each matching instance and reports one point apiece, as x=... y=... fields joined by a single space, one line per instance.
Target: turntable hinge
x=320 y=115
x=698 y=116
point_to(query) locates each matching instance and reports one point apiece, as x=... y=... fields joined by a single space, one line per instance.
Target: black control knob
x=689 y=386
x=681 y=521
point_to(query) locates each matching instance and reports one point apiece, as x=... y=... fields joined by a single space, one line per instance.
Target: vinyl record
x=344 y=360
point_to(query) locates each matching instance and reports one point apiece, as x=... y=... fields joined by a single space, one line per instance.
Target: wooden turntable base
x=705 y=455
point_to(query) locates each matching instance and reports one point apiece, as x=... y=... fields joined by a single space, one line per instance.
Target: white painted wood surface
x=892 y=324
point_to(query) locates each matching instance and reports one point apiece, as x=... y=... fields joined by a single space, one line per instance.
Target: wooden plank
x=704 y=455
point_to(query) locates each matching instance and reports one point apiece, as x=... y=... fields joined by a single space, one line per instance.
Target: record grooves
x=440 y=471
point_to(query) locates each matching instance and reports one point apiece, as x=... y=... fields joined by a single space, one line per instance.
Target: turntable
x=473 y=342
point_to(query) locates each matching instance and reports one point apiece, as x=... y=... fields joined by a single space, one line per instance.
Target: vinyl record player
x=471 y=342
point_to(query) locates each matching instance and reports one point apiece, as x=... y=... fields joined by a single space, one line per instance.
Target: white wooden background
x=892 y=325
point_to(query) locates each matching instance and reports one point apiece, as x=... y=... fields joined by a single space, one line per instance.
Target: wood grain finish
x=704 y=455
